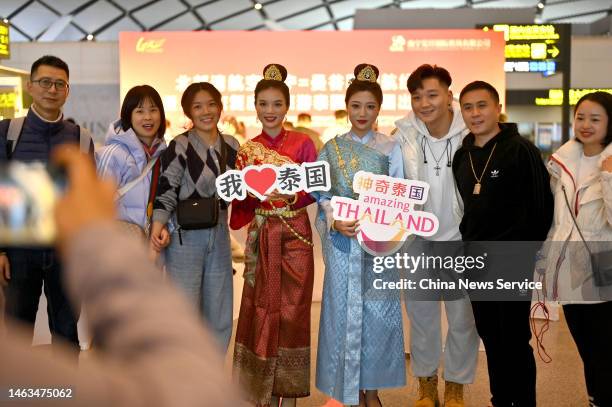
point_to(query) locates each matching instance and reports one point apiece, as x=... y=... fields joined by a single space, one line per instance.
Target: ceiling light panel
x=347 y=8
x=242 y=21
x=307 y=20
x=158 y=12
x=96 y=15
x=285 y=8
x=218 y=11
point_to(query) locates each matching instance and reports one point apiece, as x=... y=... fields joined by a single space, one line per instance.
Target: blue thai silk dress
x=361 y=344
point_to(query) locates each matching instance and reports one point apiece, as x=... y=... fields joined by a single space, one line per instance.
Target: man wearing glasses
x=24 y=269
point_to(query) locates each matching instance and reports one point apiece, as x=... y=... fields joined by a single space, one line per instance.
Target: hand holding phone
x=5 y=271
x=28 y=194
x=88 y=200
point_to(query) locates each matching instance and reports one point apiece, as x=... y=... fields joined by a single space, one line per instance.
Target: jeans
x=202 y=268
x=29 y=269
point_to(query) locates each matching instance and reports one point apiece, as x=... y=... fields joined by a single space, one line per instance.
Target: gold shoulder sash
x=256 y=153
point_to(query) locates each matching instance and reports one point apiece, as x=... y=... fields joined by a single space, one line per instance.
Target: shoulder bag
x=601 y=262
x=201 y=213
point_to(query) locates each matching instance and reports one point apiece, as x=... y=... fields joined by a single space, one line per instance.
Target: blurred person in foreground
x=150 y=339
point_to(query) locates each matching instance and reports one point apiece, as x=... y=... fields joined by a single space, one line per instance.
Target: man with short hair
x=506 y=194
x=340 y=126
x=429 y=136
x=304 y=121
x=24 y=269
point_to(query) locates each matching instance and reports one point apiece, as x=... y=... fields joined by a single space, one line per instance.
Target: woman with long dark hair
x=581 y=181
x=361 y=346
x=272 y=353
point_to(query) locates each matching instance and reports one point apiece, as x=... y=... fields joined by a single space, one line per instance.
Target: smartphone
x=28 y=193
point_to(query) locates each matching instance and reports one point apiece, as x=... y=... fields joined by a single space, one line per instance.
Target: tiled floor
x=559 y=384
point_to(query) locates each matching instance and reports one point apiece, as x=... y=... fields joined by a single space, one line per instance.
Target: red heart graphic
x=260 y=180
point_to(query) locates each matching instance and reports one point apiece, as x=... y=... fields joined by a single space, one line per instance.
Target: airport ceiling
x=74 y=20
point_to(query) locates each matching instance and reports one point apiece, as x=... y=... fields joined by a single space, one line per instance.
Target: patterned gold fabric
x=272 y=353
x=254 y=153
x=284 y=374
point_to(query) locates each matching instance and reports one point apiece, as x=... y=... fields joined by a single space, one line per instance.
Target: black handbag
x=198 y=213
x=601 y=262
x=201 y=213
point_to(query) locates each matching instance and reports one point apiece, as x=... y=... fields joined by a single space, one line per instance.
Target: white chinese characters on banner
x=319 y=94
x=235 y=83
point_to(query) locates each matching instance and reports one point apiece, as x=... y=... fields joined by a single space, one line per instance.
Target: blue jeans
x=202 y=268
x=29 y=269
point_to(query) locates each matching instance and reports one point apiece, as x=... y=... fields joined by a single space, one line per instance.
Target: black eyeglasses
x=46 y=83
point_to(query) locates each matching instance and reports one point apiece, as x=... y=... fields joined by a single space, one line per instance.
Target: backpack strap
x=85 y=140
x=16 y=125
x=152 y=194
x=13 y=133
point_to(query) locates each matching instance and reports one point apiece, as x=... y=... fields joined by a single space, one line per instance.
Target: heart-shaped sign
x=260 y=180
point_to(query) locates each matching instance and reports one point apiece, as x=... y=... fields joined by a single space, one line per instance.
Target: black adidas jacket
x=515 y=201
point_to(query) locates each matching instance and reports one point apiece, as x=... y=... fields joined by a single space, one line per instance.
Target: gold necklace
x=478 y=180
x=354 y=162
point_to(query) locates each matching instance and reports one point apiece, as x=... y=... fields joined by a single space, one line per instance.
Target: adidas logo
x=494 y=173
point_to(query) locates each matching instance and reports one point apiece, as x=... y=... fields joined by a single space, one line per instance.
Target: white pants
x=461 y=347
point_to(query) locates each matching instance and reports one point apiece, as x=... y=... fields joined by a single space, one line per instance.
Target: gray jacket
x=154 y=349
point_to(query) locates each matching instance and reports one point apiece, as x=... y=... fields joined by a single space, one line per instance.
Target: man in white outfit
x=429 y=136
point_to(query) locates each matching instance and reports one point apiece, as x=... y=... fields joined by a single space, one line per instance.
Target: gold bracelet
x=333 y=226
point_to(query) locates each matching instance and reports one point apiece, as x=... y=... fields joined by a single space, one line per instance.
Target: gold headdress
x=272 y=73
x=367 y=74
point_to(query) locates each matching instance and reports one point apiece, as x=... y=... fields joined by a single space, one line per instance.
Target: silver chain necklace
x=437 y=160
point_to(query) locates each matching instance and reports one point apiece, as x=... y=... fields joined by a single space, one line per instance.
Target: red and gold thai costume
x=272 y=352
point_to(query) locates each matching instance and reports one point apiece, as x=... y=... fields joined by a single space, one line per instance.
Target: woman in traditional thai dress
x=361 y=345
x=272 y=352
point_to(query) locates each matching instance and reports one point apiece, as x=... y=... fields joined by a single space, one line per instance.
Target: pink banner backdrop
x=320 y=64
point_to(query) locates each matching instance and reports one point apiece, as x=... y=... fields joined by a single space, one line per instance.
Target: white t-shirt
x=587 y=167
x=441 y=184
